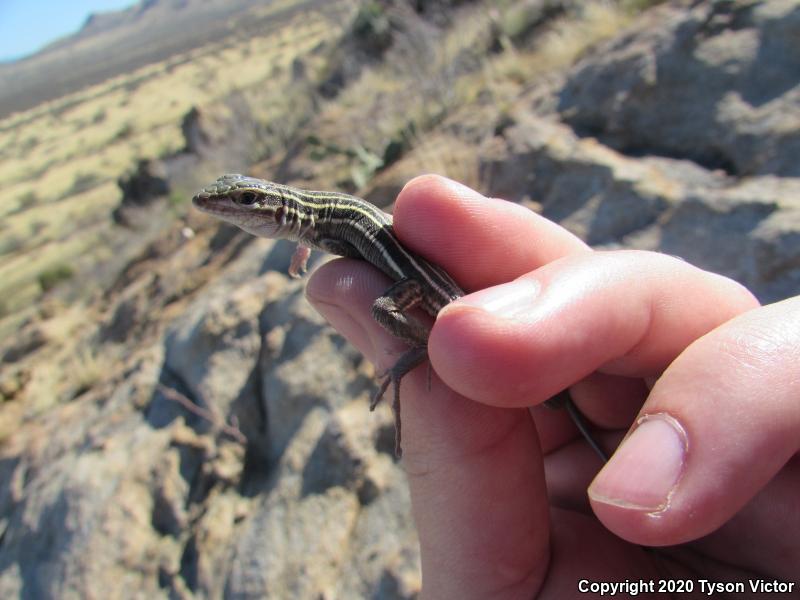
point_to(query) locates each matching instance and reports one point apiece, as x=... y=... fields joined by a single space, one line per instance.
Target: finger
x=480 y=241
x=719 y=423
x=625 y=313
x=463 y=460
x=609 y=401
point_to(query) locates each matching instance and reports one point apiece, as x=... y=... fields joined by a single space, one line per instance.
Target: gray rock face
x=590 y=189
x=80 y=499
x=718 y=84
x=745 y=229
x=212 y=352
x=748 y=231
x=276 y=483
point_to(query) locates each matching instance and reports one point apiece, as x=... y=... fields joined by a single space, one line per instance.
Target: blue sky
x=27 y=25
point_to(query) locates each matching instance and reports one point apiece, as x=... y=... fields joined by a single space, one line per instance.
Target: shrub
x=52 y=276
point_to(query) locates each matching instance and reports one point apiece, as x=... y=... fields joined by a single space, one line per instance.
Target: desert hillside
x=116 y=43
x=176 y=421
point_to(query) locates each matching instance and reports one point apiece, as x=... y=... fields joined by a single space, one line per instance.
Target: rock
x=293 y=548
x=169 y=500
x=311 y=535
x=129 y=313
x=199 y=131
x=206 y=560
x=225 y=133
x=29 y=340
x=147 y=182
x=384 y=548
x=78 y=500
x=591 y=190
x=12 y=382
x=715 y=83
x=749 y=231
x=211 y=355
x=304 y=365
x=344 y=454
x=745 y=229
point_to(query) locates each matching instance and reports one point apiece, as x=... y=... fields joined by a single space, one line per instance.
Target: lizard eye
x=246 y=198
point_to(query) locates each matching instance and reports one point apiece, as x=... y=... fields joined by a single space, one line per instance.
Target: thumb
x=721 y=421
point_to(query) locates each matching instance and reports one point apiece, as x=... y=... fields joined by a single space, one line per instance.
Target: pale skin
x=706 y=380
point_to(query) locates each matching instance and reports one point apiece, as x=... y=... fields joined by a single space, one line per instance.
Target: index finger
x=480 y=241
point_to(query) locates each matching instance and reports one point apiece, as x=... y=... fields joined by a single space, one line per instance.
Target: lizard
x=345 y=225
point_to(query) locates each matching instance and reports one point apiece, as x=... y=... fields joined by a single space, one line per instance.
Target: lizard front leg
x=391 y=312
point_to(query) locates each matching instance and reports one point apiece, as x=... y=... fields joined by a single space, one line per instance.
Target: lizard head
x=252 y=204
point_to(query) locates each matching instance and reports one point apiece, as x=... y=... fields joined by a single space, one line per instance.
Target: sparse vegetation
x=28 y=144
x=87 y=369
x=25 y=201
x=52 y=276
x=123 y=133
x=372 y=28
x=634 y=6
x=178 y=202
x=10 y=244
x=82 y=183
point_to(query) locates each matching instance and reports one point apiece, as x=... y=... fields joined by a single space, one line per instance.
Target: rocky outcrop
x=228 y=126
x=144 y=185
x=235 y=453
x=716 y=84
x=747 y=229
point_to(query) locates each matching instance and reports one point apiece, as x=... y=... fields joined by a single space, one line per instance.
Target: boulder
x=715 y=83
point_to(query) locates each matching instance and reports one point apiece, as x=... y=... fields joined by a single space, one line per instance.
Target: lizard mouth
x=212 y=204
x=200 y=199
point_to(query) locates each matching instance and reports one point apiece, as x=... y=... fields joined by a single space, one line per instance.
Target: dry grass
x=448 y=156
x=88 y=368
x=138 y=121
x=559 y=47
x=431 y=78
x=68 y=365
x=50 y=153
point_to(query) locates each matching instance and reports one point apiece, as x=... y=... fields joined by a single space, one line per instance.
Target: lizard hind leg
x=405 y=364
x=391 y=312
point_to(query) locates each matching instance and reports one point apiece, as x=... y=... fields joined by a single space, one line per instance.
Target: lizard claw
x=386 y=378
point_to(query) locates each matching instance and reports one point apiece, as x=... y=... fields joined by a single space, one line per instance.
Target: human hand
x=499 y=498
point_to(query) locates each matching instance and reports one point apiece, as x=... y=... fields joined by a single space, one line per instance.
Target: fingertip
x=457 y=350
x=480 y=241
x=430 y=185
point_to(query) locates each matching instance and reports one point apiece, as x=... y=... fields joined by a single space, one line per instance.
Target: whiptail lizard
x=348 y=226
